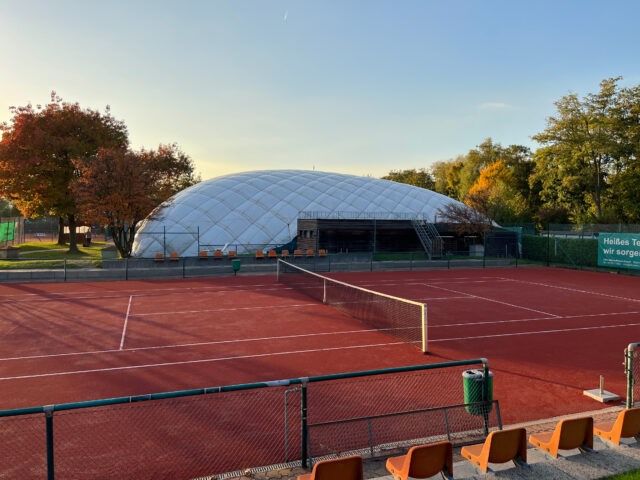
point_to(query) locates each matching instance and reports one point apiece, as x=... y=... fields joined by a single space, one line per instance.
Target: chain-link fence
x=632 y=371
x=570 y=245
x=221 y=432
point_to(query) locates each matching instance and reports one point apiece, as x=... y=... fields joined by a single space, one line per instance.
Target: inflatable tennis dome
x=259 y=209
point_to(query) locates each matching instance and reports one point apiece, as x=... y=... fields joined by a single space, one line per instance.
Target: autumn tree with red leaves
x=37 y=153
x=119 y=188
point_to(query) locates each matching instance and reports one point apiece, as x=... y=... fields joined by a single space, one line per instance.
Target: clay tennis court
x=548 y=334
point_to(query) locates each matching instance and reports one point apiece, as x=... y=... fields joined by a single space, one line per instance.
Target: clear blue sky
x=355 y=87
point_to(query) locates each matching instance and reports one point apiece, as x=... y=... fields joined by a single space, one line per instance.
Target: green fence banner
x=621 y=250
x=7 y=231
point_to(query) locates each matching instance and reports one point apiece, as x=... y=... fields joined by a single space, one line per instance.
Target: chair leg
x=445 y=476
x=585 y=449
x=518 y=462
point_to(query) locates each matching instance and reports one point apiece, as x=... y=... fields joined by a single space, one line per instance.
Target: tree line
x=60 y=159
x=586 y=170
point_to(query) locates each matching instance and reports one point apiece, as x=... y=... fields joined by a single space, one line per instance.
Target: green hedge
x=579 y=252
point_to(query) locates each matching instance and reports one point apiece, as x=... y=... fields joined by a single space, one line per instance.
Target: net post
x=305 y=427
x=48 y=413
x=425 y=339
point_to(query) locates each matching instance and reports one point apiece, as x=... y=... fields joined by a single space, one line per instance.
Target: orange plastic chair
x=259 y=254
x=203 y=255
x=310 y=253
x=231 y=254
x=568 y=434
x=285 y=254
x=272 y=254
x=217 y=255
x=297 y=253
x=346 y=468
x=159 y=257
x=322 y=253
x=501 y=446
x=423 y=461
x=173 y=257
x=627 y=425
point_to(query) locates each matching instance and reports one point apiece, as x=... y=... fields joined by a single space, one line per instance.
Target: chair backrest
x=427 y=460
x=285 y=253
x=232 y=253
x=202 y=254
x=347 y=468
x=630 y=419
x=574 y=432
x=259 y=254
x=297 y=253
x=159 y=256
x=505 y=445
x=310 y=253
x=322 y=252
x=173 y=255
x=217 y=254
x=272 y=254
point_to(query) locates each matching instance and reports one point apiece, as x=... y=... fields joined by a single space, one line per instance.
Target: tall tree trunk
x=73 y=247
x=61 y=231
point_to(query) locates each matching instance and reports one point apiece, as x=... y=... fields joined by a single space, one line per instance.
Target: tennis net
x=403 y=319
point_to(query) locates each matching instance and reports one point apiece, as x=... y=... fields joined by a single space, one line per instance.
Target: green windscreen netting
x=7 y=231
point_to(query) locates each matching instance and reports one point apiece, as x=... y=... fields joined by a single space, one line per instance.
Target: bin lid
x=475 y=373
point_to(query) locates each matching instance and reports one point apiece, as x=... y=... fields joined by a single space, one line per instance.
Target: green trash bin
x=472 y=384
x=235 y=264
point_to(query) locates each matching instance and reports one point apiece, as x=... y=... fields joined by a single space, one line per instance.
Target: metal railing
x=223 y=431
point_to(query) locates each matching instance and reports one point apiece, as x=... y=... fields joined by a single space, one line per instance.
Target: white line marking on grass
x=497 y=301
x=204 y=360
x=126 y=320
x=535 y=333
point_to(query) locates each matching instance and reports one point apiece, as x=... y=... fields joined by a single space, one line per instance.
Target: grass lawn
x=50 y=255
x=631 y=475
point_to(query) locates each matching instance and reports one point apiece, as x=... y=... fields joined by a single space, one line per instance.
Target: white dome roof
x=259 y=209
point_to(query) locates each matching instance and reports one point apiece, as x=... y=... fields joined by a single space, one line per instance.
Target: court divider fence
x=632 y=371
x=221 y=432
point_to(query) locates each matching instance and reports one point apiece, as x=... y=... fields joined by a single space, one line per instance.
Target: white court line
x=204 y=360
x=126 y=320
x=295 y=352
x=198 y=289
x=199 y=344
x=302 y=335
x=533 y=319
x=497 y=301
x=575 y=290
x=232 y=309
x=535 y=333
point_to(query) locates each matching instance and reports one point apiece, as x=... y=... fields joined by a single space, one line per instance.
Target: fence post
x=164 y=240
x=126 y=268
x=548 y=244
x=411 y=261
x=198 y=234
x=484 y=249
x=65 y=270
x=485 y=393
x=48 y=413
x=628 y=370
x=305 y=430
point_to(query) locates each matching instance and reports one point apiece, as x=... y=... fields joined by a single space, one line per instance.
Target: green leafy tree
x=419 y=178
x=581 y=148
x=119 y=188
x=37 y=151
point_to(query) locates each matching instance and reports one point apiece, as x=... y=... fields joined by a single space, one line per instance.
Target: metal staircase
x=429 y=237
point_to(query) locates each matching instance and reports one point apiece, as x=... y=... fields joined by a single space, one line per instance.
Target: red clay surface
x=548 y=334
